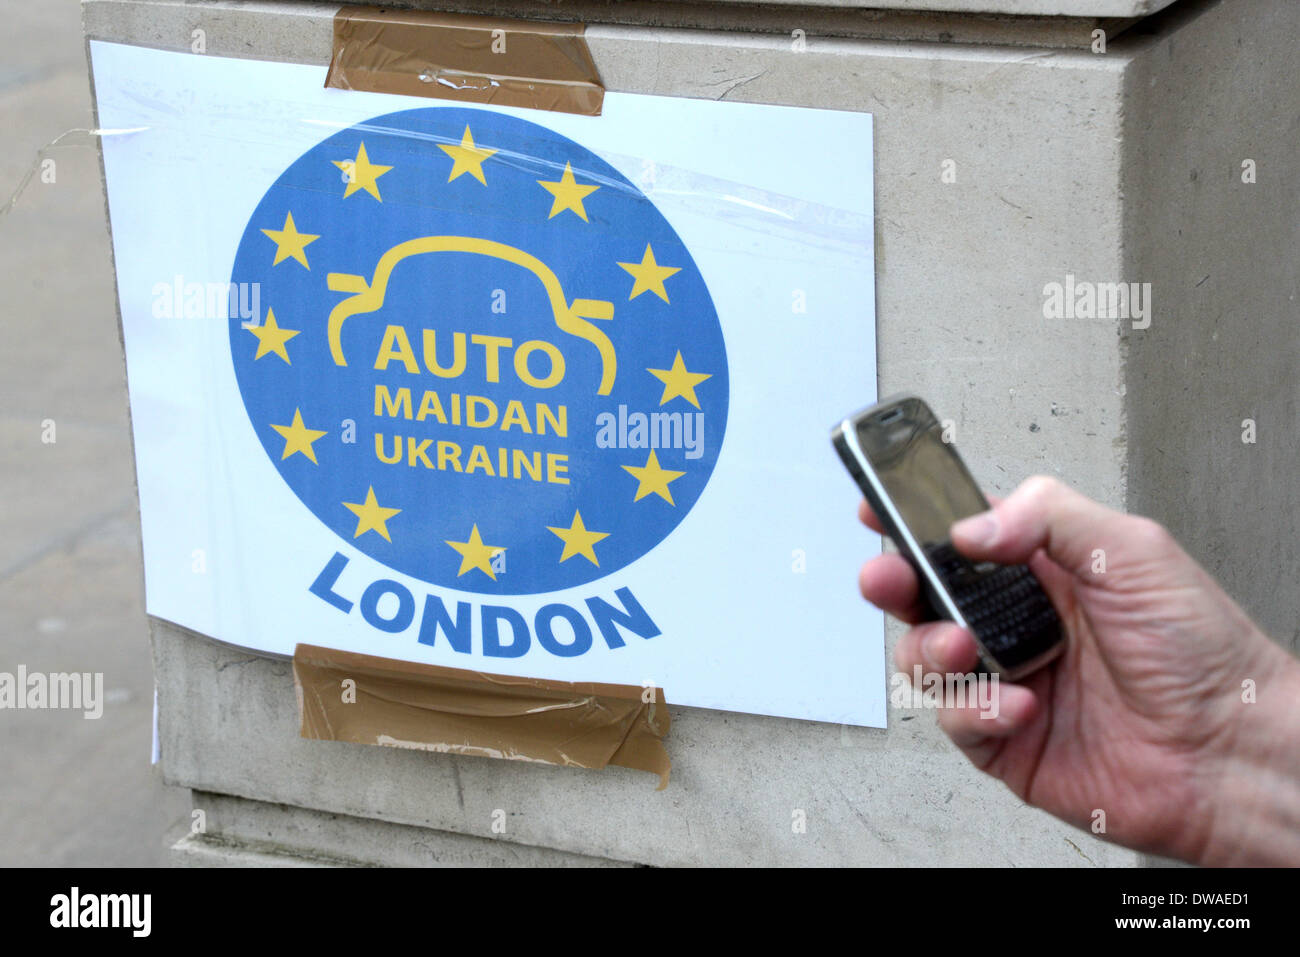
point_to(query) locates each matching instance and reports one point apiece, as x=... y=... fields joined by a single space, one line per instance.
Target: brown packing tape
x=407 y=705
x=472 y=59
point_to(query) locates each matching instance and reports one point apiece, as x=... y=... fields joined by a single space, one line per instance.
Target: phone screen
x=927 y=481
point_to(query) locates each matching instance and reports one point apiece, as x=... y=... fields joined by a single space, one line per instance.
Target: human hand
x=1144 y=715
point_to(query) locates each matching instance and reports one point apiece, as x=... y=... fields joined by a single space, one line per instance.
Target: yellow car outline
x=569 y=317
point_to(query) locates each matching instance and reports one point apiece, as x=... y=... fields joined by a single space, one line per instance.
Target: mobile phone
x=918 y=485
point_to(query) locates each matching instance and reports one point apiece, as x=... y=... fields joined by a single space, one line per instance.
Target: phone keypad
x=1004 y=605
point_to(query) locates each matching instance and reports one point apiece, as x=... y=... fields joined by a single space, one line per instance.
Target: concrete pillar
x=1108 y=167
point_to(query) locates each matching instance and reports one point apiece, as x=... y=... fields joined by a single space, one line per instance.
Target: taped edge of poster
x=345 y=696
x=467 y=58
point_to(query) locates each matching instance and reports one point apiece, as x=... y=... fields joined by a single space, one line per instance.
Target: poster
x=514 y=391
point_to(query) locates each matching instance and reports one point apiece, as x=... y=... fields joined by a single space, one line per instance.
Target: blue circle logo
x=482 y=356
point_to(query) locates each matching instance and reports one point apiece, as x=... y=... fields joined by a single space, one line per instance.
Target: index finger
x=868 y=517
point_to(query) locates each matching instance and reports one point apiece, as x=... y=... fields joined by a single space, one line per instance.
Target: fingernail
x=931 y=648
x=979 y=529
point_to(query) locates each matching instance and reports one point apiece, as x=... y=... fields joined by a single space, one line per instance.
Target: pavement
x=73 y=791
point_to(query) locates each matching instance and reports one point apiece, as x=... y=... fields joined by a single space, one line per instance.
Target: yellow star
x=371 y=516
x=474 y=554
x=578 y=540
x=568 y=193
x=298 y=438
x=678 y=382
x=270 y=337
x=468 y=158
x=652 y=478
x=362 y=173
x=649 y=275
x=289 y=243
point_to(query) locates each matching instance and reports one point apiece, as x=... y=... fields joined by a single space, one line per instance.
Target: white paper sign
x=499 y=389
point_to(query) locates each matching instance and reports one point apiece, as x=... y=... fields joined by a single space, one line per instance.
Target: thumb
x=1042 y=513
